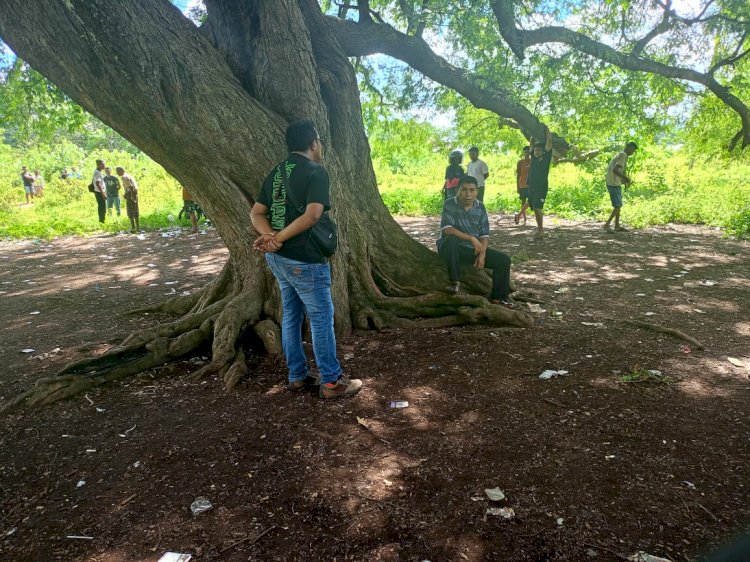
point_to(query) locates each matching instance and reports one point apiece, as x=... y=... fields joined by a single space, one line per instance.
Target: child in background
x=38 y=184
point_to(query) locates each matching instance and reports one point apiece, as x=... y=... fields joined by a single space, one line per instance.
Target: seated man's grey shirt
x=474 y=222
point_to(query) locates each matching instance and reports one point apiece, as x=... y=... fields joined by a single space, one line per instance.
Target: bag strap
x=285 y=183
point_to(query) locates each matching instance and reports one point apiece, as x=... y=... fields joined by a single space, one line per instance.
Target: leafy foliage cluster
x=579 y=93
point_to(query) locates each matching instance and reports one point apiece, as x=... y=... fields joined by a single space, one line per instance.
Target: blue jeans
x=113 y=200
x=306 y=287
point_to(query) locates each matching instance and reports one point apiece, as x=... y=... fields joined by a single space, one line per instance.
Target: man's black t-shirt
x=112 y=184
x=308 y=182
x=28 y=179
x=539 y=171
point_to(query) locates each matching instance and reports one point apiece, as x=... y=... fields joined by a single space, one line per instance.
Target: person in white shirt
x=97 y=181
x=478 y=169
x=616 y=178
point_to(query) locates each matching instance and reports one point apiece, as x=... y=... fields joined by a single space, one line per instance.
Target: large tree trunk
x=211 y=108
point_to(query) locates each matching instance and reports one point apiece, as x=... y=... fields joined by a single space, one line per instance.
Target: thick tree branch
x=358 y=41
x=363 y=8
x=734 y=58
x=519 y=38
x=415 y=23
x=662 y=27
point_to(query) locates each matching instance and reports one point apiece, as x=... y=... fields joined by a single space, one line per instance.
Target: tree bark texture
x=211 y=107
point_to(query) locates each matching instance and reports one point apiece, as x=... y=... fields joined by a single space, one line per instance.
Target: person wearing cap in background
x=453 y=173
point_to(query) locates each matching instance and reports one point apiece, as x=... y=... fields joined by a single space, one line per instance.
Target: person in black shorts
x=539 y=179
x=28 y=184
x=522 y=184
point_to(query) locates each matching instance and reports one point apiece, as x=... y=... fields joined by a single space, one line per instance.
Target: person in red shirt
x=453 y=173
x=522 y=183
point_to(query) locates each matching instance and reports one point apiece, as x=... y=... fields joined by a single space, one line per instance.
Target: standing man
x=28 y=184
x=130 y=192
x=303 y=274
x=112 y=185
x=478 y=169
x=100 y=190
x=539 y=179
x=464 y=239
x=616 y=177
x=522 y=183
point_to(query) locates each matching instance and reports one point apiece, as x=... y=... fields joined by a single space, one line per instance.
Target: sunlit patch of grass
x=649 y=376
x=519 y=258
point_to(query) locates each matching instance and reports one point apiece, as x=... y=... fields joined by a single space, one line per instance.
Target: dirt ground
x=594 y=465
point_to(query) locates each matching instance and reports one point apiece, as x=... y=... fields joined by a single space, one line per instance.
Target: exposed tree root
x=270 y=334
x=220 y=313
x=664 y=330
x=231 y=305
x=176 y=305
x=436 y=311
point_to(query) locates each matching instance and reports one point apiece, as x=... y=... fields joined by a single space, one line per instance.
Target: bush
x=739 y=224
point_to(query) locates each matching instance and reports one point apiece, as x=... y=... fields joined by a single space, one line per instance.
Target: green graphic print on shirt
x=278 y=206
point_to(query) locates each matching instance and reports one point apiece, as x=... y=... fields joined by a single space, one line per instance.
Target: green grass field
x=667 y=188
x=67 y=206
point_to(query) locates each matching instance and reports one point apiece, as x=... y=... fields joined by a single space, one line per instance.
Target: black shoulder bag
x=324 y=233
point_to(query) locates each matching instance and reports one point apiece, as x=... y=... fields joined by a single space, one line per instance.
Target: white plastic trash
x=551 y=374
x=200 y=505
x=175 y=557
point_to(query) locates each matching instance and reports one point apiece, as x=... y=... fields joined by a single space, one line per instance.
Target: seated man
x=464 y=239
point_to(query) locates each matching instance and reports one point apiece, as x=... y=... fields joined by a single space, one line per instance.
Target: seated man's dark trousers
x=456 y=255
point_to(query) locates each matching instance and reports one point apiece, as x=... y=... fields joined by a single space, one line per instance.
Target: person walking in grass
x=522 y=183
x=302 y=272
x=112 y=185
x=38 y=184
x=616 y=179
x=100 y=190
x=130 y=193
x=28 y=184
x=478 y=169
x=539 y=179
x=464 y=240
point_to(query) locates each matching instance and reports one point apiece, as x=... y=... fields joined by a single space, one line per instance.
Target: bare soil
x=595 y=465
